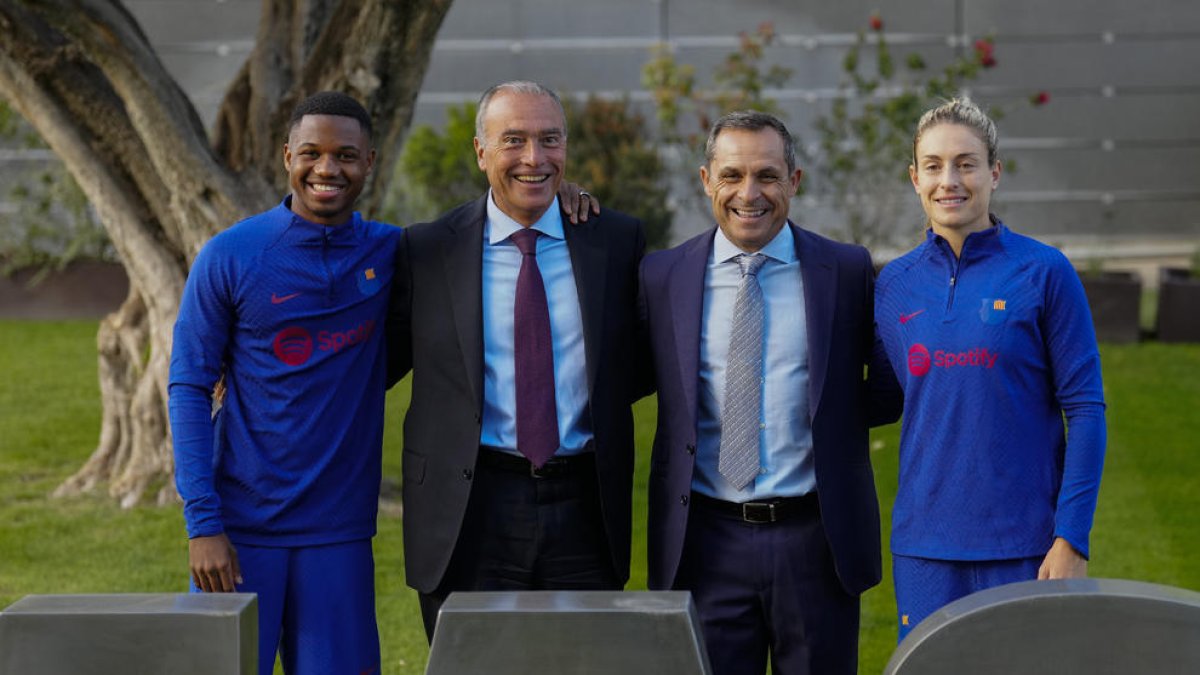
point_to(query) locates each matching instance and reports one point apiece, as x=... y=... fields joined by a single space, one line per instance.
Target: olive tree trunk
x=83 y=73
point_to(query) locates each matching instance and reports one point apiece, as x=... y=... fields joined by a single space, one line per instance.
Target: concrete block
x=577 y=632
x=133 y=634
x=1060 y=627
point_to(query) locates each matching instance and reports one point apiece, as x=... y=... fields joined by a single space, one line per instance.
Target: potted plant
x=1115 y=299
x=1179 y=303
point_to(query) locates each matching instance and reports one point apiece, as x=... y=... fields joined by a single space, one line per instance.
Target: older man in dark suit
x=518 y=444
x=762 y=500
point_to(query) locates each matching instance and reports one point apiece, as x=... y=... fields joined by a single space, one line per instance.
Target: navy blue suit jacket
x=839 y=304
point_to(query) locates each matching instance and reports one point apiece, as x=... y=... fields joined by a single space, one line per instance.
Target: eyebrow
x=523 y=132
x=308 y=144
x=958 y=156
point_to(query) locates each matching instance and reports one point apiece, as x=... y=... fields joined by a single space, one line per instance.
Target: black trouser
x=524 y=532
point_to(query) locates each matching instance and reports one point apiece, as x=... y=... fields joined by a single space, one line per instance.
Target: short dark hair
x=331 y=103
x=751 y=120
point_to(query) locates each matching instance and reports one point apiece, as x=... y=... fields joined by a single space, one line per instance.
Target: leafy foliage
x=609 y=154
x=685 y=111
x=437 y=170
x=52 y=223
x=864 y=140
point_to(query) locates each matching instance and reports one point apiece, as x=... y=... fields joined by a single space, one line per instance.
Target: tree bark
x=85 y=76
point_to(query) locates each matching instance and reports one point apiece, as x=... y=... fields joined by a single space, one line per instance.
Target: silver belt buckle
x=758 y=512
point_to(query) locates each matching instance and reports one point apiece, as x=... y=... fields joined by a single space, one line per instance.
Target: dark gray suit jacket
x=435 y=329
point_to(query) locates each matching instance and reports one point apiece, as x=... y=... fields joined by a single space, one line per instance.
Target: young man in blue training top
x=281 y=487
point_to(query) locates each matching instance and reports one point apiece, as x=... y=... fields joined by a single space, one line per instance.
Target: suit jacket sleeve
x=885 y=398
x=398 y=328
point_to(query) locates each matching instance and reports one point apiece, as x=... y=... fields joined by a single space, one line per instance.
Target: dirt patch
x=84 y=290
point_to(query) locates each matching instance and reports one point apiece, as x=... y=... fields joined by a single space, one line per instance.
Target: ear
x=794 y=180
x=287 y=157
x=479 y=148
x=371 y=160
x=912 y=176
x=996 y=175
x=704 y=180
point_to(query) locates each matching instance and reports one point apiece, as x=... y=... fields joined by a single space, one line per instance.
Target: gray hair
x=514 y=87
x=960 y=111
x=751 y=120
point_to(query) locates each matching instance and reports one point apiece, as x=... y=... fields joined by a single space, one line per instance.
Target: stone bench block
x=577 y=632
x=134 y=634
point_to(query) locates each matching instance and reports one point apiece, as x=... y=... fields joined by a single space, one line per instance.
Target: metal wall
x=1114 y=156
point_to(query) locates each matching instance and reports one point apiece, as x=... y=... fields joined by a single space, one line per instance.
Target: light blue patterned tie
x=741 y=417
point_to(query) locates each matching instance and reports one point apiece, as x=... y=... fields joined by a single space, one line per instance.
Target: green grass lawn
x=1146 y=525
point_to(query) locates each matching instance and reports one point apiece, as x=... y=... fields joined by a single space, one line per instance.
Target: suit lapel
x=589 y=264
x=686 y=305
x=820 y=290
x=462 y=254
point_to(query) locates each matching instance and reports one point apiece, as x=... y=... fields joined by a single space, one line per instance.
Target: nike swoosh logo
x=278 y=299
x=905 y=318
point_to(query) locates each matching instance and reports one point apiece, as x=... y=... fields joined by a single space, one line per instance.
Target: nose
x=949 y=176
x=532 y=155
x=749 y=190
x=325 y=165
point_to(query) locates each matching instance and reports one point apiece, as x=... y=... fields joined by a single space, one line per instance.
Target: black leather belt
x=768 y=511
x=555 y=467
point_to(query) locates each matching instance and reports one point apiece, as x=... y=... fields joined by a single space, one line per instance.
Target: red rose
x=985 y=52
x=876 y=22
x=1040 y=98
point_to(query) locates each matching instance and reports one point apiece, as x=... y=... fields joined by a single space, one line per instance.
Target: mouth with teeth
x=325 y=189
x=533 y=180
x=951 y=201
x=748 y=214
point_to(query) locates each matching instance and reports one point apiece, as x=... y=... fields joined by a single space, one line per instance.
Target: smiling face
x=523 y=151
x=954 y=180
x=749 y=185
x=328 y=158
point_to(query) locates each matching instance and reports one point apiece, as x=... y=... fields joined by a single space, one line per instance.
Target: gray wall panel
x=1081 y=16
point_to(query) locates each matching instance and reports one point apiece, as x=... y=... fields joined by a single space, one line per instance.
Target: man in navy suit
x=517 y=476
x=762 y=499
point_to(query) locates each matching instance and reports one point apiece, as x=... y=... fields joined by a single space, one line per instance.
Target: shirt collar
x=781 y=248
x=501 y=226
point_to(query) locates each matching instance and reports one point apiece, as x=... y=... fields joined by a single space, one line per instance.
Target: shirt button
x=691 y=449
x=683 y=500
x=762 y=425
x=468 y=474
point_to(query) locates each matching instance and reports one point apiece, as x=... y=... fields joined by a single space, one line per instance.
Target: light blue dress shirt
x=501 y=263
x=786 y=457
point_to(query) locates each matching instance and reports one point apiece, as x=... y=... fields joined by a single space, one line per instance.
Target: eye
x=348 y=156
x=552 y=141
x=512 y=140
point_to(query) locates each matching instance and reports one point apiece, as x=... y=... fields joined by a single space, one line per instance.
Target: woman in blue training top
x=991 y=338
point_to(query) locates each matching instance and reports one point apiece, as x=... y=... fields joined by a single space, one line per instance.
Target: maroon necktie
x=533 y=352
